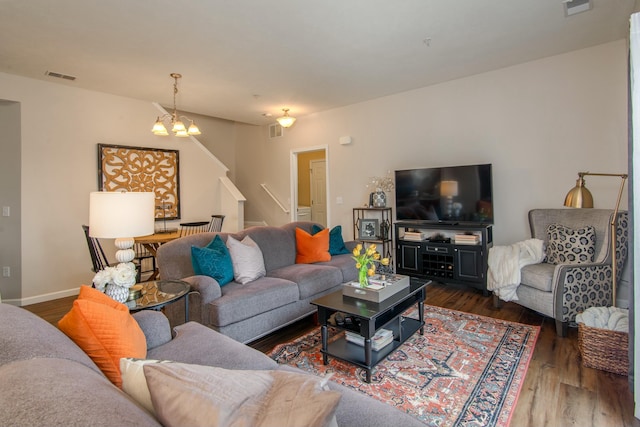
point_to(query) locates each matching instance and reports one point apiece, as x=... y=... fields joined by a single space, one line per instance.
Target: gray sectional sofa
x=47 y=380
x=249 y=311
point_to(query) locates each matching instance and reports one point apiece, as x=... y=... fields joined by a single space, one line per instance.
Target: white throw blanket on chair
x=505 y=263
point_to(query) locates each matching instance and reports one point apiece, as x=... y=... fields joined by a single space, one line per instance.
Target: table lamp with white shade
x=121 y=216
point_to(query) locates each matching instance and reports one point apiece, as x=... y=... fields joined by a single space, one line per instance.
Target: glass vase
x=363 y=277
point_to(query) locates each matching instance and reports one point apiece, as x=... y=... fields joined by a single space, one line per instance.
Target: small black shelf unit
x=383 y=234
x=435 y=254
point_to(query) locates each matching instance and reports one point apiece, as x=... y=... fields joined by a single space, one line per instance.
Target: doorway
x=318 y=179
x=309 y=179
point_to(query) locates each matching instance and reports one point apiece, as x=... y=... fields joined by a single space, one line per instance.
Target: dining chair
x=151 y=243
x=144 y=258
x=98 y=257
x=100 y=261
x=216 y=223
x=188 y=228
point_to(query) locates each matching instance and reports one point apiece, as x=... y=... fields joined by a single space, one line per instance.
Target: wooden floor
x=558 y=391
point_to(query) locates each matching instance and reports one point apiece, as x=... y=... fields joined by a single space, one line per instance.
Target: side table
x=159 y=293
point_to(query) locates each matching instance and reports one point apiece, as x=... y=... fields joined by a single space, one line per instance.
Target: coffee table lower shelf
x=355 y=354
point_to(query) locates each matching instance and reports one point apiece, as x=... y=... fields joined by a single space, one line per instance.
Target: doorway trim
x=293 y=178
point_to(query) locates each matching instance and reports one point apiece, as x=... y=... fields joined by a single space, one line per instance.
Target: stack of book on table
x=467 y=239
x=414 y=235
x=381 y=339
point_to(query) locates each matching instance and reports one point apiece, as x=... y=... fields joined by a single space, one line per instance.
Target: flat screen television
x=453 y=194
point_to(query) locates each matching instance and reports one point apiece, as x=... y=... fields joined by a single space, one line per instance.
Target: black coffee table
x=367 y=318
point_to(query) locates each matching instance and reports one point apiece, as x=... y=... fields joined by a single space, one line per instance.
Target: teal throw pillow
x=213 y=260
x=336 y=243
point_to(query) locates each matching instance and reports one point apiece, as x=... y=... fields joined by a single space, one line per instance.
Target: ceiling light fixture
x=177 y=127
x=286 y=120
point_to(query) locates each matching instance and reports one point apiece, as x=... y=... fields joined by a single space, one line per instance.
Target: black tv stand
x=439 y=240
x=446 y=252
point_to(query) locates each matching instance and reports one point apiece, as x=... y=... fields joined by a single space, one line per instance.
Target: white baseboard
x=20 y=302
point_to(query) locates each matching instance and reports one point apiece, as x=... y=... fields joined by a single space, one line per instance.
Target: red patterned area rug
x=466 y=370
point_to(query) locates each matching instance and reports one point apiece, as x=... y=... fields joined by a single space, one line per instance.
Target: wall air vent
x=275 y=130
x=59 y=75
x=572 y=7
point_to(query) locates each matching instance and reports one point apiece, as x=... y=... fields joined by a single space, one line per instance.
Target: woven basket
x=604 y=349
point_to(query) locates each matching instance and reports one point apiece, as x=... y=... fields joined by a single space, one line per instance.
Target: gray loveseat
x=249 y=311
x=47 y=380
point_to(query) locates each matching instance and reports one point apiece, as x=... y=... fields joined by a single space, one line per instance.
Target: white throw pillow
x=247 y=260
x=134 y=382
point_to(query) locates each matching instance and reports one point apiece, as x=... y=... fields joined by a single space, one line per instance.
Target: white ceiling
x=242 y=58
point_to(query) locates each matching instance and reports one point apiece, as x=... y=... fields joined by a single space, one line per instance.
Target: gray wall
x=10 y=246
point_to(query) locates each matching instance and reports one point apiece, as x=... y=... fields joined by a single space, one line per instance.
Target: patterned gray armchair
x=563 y=290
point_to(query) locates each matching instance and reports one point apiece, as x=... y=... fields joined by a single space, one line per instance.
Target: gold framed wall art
x=121 y=167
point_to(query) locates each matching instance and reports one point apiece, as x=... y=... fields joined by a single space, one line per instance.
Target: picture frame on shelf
x=368 y=228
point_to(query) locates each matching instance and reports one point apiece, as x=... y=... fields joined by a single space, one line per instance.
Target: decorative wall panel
x=142 y=169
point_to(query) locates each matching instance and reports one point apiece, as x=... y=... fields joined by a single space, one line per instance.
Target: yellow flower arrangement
x=366 y=262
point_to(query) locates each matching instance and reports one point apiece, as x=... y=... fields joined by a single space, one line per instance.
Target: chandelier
x=177 y=127
x=286 y=120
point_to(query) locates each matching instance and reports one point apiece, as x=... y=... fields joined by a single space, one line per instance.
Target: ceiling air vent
x=275 y=130
x=572 y=7
x=60 y=75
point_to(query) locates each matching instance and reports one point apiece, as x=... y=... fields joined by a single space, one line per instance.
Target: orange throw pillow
x=105 y=330
x=312 y=248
